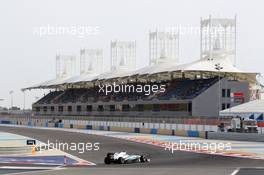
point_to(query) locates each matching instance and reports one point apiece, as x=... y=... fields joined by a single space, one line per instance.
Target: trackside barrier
x=51 y=125
x=89 y=127
x=101 y=128
x=61 y=125
x=180 y=133
x=80 y=126
x=145 y=130
x=192 y=133
x=206 y=135
x=164 y=132
x=67 y=125
x=5 y=122
x=121 y=127
x=95 y=127
x=153 y=131
x=137 y=130
x=252 y=137
x=29 y=123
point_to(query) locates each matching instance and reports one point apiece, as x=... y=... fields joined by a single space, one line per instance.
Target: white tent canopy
x=206 y=65
x=245 y=109
x=81 y=78
x=203 y=65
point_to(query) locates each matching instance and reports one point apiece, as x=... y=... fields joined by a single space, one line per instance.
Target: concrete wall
x=254 y=137
x=149 y=128
x=206 y=104
x=185 y=130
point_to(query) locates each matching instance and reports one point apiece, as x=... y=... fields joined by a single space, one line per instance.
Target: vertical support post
x=235 y=40
x=210 y=37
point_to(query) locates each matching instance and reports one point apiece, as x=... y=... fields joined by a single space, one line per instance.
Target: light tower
x=123 y=55
x=65 y=66
x=91 y=61
x=218 y=38
x=163 y=47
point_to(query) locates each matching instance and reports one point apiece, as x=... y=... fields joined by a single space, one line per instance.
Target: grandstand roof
x=81 y=78
x=203 y=65
x=256 y=106
x=199 y=65
x=113 y=74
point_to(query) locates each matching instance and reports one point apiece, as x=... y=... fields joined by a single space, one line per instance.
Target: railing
x=123 y=118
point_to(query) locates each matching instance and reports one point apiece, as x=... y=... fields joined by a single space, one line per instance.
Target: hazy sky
x=28 y=59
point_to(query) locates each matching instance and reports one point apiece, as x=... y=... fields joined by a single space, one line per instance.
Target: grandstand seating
x=186 y=89
x=176 y=89
x=47 y=98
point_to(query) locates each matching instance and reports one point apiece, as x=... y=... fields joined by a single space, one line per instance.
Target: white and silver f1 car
x=124 y=158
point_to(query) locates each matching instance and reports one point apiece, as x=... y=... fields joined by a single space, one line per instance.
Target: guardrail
x=124 y=118
x=148 y=128
x=253 y=137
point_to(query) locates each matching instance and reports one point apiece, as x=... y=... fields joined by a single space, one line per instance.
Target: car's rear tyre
x=107 y=160
x=109 y=154
x=143 y=158
x=121 y=160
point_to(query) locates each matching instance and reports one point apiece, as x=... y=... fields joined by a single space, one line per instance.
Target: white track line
x=235 y=172
x=28 y=168
x=37 y=171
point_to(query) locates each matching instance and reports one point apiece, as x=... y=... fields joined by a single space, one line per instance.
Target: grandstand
x=198 y=89
x=183 y=97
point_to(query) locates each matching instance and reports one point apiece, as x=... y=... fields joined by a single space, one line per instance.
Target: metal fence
x=154 y=119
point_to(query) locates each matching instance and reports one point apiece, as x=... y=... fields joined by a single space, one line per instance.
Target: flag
x=260 y=117
x=251 y=117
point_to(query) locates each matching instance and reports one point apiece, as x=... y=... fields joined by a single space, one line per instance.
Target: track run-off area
x=162 y=161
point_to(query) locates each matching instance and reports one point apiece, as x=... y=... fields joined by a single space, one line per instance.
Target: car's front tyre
x=107 y=160
x=121 y=160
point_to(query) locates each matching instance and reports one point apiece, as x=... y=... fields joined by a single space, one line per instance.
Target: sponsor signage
x=31 y=142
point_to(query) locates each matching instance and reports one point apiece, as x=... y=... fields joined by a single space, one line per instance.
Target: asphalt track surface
x=162 y=162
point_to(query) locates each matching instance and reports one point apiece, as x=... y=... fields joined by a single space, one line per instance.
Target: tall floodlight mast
x=91 y=61
x=163 y=47
x=218 y=38
x=123 y=55
x=65 y=66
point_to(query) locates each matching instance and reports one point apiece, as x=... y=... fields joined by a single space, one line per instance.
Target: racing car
x=124 y=158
